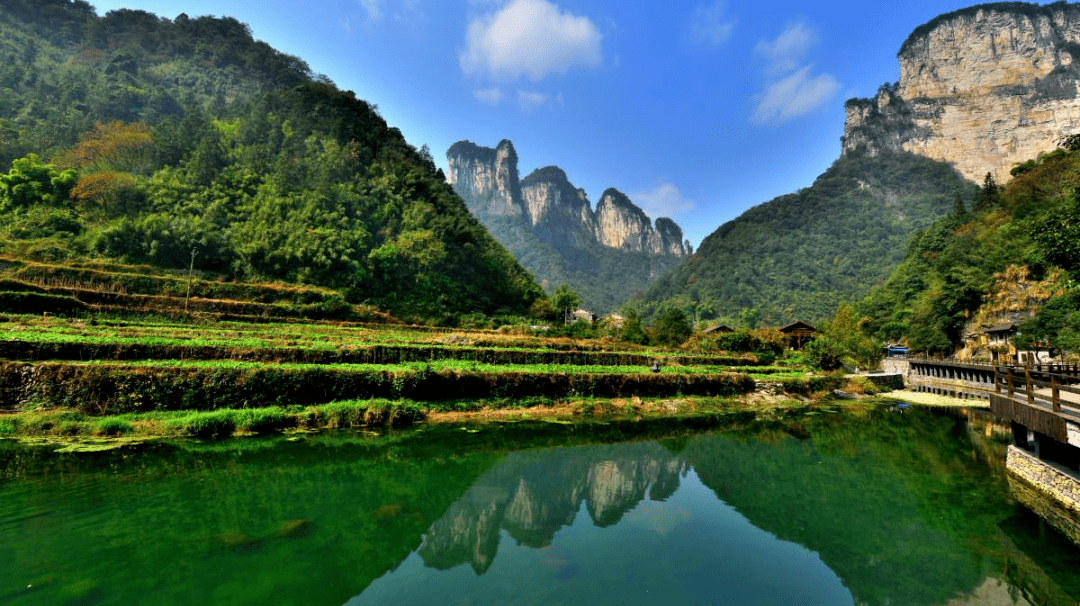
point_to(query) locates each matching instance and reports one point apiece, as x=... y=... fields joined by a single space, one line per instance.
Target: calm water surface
x=873 y=506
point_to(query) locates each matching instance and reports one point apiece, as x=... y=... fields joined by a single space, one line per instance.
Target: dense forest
x=802 y=254
x=171 y=142
x=1001 y=253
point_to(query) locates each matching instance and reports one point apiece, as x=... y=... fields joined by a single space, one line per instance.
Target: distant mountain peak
x=545 y=210
x=556 y=209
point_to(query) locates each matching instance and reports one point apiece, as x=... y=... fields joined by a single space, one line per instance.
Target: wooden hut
x=718 y=329
x=798 y=333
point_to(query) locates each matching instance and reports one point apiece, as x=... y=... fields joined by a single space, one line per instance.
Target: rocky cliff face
x=983 y=88
x=554 y=209
x=486 y=177
x=621 y=224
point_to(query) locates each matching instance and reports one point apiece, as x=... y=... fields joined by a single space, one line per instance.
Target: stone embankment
x=1046 y=489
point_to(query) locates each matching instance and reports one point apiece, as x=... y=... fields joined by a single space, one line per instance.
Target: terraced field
x=110 y=349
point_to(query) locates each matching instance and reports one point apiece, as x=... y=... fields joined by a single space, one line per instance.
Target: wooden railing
x=1058 y=378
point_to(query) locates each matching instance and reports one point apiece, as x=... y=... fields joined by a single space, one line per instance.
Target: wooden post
x=1056 y=397
x=1030 y=387
x=191 y=270
x=997 y=380
x=1010 y=379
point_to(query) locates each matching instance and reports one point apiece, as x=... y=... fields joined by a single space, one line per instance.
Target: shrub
x=112 y=427
x=216 y=424
x=45 y=222
x=824 y=353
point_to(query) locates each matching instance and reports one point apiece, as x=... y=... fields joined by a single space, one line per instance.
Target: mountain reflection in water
x=868 y=506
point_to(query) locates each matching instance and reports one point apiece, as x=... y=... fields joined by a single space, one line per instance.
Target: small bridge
x=1042 y=399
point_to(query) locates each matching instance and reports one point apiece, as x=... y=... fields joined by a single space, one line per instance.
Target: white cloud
x=530 y=100
x=664 y=200
x=709 y=28
x=530 y=38
x=788 y=50
x=490 y=96
x=374 y=11
x=794 y=96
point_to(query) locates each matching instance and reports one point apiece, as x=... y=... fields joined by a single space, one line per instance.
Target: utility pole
x=191 y=270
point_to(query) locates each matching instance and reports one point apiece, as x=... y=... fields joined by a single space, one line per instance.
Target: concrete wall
x=890 y=380
x=896 y=365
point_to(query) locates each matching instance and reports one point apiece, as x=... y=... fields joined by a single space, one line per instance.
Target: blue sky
x=696 y=110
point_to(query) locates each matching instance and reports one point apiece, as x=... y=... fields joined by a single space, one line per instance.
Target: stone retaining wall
x=889 y=380
x=1048 y=491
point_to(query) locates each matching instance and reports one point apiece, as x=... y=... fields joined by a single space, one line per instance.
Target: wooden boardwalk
x=1043 y=399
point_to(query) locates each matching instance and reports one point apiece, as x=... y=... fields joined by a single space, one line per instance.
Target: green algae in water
x=870 y=506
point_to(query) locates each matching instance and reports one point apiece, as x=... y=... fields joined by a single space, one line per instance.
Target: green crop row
x=29 y=345
x=434 y=366
x=101 y=389
x=214 y=423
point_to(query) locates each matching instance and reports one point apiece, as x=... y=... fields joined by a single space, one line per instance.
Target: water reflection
x=952 y=392
x=865 y=507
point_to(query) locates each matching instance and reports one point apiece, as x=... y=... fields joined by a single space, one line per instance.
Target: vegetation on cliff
x=1001 y=252
x=187 y=142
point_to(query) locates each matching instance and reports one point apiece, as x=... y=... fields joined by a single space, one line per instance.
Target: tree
x=751 y=316
x=115 y=146
x=1057 y=235
x=632 y=330
x=565 y=300
x=959 y=213
x=31 y=181
x=114 y=192
x=989 y=195
x=672 y=327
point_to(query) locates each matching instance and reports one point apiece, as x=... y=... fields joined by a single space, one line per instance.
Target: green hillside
x=800 y=255
x=1004 y=253
x=148 y=140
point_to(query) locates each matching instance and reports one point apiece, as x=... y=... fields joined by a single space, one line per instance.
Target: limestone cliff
x=983 y=88
x=607 y=256
x=556 y=210
x=486 y=177
x=621 y=224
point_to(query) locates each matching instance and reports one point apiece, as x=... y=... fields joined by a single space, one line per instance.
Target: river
x=872 y=505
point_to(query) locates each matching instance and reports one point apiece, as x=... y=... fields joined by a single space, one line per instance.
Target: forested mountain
x=800 y=255
x=607 y=255
x=141 y=138
x=1001 y=255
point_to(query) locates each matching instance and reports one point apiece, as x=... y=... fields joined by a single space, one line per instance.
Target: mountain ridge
x=607 y=254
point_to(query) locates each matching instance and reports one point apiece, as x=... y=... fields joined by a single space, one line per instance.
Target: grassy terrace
x=34 y=338
x=123 y=357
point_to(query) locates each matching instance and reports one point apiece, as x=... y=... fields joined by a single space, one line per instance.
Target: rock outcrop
x=487 y=176
x=983 y=88
x=554 y=209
